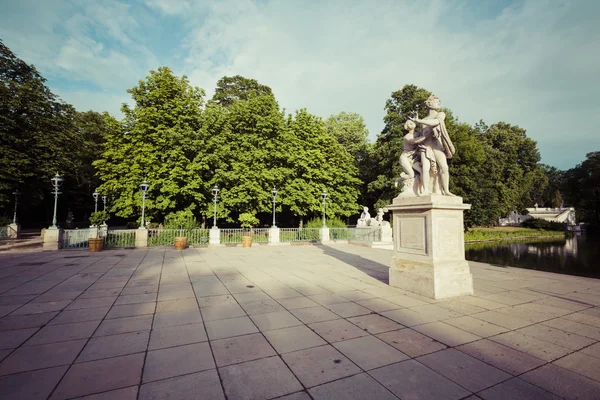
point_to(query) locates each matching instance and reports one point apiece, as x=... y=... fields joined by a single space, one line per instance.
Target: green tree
x=552 y=196
x=160 y=140
x=582 y=188
x=37 y=137
x=235 y=88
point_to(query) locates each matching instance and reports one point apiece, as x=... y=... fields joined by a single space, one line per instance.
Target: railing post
x=274 y=235
x=93 y=232
x=52 y=239
x=386 y=234
x=141 y=237
x=214 y=236
x=324 y=235
x=14 y=231
x=103 y=230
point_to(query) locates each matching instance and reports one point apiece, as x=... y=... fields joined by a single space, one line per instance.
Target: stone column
x=214 y=236
x=273 y=235
x=429 y=247
x=324 y=234
x=14 y=231
x=52 y=239
x=141 y=237
x=103 y=230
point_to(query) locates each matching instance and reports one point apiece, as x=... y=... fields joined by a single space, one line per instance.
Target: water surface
x=574 y=255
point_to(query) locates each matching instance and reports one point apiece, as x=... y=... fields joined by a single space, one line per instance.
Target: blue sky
x=528 y=62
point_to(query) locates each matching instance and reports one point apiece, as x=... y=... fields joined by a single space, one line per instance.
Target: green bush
x=99 y=217
x=5 y=220
x=538 y=223
x=181 y=220
x=331 y=223
x=248 y=220
x=132 y=225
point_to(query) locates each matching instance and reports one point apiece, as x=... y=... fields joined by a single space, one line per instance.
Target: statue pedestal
x=429 y=246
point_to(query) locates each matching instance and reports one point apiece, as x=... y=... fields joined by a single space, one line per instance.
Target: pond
x=573 y=255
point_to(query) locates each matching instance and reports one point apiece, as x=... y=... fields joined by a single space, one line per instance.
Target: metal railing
x=235 y=235
x=75 y=238
x=120 y=238
x=299 y=235
x=166 y=237
x=341 y=233
x=4 y=230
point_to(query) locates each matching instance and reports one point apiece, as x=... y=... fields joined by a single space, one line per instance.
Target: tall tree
x=235 y=88
x=582 y=189
x=159 y=140
x=37 y=138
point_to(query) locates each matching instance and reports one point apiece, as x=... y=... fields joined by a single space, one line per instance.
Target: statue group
x=425 y=154
x=365 y=219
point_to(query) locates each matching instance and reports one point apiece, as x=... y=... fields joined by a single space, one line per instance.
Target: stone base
x=52 y=238
x=274 y=235
x=141 y=237
x=324 y=235
x=214 y=236
x=14 y=231
x=438 y=281
x=429 y=248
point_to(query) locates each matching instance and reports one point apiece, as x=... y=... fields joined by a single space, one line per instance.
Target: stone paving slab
x=293 y=323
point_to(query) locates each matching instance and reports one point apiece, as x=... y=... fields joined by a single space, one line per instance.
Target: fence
x=75 y=238
x=120 y=238
x=299 y=235
x=166 y=237
x=234 y=236
x=4 y=232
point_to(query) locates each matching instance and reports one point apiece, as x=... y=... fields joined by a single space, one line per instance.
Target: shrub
x=5 y=220
x=331 y=223
x=538 y=223
x=248 y=220
x=98 y=217
x=181 y=220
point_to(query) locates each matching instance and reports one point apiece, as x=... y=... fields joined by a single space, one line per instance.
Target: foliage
x=159 y=141
x=181 y=220
x=99 y=217
x=5 y=220
x=538 y=223
x=331 y=223
x=248 y=220
x=582 y=188
x=231 y=89
x=476 y=234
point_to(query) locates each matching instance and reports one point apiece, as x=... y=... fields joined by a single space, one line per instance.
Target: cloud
x=530 y=63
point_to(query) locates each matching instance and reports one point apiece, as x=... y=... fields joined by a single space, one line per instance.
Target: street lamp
x=324 y=196
x=96 y=195
x=104 y=201
x=17 y=194
x=274 y=193
x=57 y=180
x=144 y=186
x=215 y=193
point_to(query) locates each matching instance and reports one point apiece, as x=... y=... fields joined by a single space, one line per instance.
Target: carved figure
x=364 y=218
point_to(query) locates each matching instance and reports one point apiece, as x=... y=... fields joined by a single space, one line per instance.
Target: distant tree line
x=240 y=140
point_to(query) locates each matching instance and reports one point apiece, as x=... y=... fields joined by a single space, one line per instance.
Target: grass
x=507 y=232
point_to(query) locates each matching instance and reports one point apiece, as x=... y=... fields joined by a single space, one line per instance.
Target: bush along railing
x=232 y=235
x=367 y=234
x=166 y=237
x=341 y=233
x=299 y=235
x=120 y=238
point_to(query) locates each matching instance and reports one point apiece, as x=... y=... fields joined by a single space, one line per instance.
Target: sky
x=527 y=62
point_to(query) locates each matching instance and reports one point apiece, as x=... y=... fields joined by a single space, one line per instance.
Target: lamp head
x=96 y=194
x=274 y=192
x=324 y=195
x=144 y=186
x=57 y=180
x=215 y=190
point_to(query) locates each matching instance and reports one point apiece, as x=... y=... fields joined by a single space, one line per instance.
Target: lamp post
x=104 y=201
x=17 y=194
x=96 y=195
x=57 y=180
x=215 y=193
x=324 y=196
x=274 y=193
x=144 y=187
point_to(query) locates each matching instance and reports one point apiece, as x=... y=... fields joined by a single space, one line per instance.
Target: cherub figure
x=410 y=159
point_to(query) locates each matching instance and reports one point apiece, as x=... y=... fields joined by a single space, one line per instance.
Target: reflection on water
x=575 y=255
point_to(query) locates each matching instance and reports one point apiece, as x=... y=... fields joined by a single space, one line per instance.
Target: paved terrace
x=289 y=322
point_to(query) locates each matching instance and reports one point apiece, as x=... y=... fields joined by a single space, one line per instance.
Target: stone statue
x=364 y=218
x=410 y=160
x=434 y=150
x=378 y=220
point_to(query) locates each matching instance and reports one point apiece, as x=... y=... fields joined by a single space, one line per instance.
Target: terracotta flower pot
x=96 y=244
x=180 y=243
x=246 y=241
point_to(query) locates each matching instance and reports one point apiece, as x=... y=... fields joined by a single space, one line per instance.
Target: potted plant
x=182 y=221
x=247 y=221
x=96 y=219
